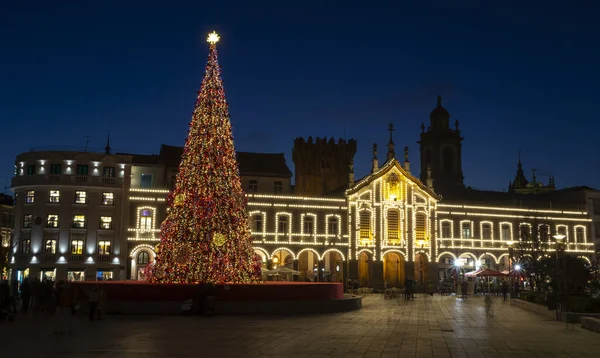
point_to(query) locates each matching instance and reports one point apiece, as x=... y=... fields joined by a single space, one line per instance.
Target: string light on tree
x=205 y=236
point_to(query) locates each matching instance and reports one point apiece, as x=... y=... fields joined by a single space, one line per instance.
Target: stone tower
x=322 y=165
x=441 y=150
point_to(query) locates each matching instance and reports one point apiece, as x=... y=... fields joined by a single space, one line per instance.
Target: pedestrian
x=25 y=294
x=93 y=303
x=488 y=305
x=504 y=291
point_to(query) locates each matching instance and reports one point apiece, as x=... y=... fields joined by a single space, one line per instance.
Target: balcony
x=49 y=257
x=103 y=257
x=76 y=258
x=81 y=178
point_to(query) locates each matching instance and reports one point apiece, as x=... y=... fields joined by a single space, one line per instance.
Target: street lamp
x=559 y=294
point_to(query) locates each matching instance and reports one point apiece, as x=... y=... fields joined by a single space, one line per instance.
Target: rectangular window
x=252 y=186
x=282 y=224
x=393 y=229
x=50 y=246
x=104 y=247
x=146 y=181
x=30 y=197
x=52 y=221
x=146 y=220
x=579 y=235
x=82 y=169
x=309 y=225
x=27 y=221
x=78 y=221
x=486 y=231
x=505 y=232
x=54 y=196
x=332 y=228
x=466 y=230
x=25 y=246
x=108 y=199
x=108 y=172
x=80 y=197
x=77 y=247
x=258 y=224
x=31 y=169
x=278 y=187
x=106 y=222
x=446 y=230
x=55 y=169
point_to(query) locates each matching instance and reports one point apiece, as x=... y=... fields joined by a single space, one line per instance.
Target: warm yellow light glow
x=213 y=38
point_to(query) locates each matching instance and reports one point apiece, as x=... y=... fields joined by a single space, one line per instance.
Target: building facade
x=388 y=226
x=6 y=225
x=68 y=215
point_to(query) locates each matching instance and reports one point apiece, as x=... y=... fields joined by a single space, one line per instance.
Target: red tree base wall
x=268 y=291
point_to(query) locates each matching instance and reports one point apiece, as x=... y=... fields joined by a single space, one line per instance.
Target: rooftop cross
x=391 y=129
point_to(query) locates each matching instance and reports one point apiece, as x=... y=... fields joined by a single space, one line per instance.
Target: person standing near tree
x=25 y=294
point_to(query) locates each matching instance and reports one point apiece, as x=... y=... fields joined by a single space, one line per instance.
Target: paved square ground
x=427 y=327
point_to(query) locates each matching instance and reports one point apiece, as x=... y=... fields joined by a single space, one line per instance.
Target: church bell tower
x=441 y=152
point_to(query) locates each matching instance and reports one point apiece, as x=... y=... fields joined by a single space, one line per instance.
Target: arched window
x=143 y=258
x=257 y=223
x=579 y=234
x=446 y=230
x=146 y=219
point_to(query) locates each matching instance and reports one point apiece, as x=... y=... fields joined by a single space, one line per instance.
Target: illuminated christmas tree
x=205 y=236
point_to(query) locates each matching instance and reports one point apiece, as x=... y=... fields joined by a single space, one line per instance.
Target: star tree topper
x=213 y=38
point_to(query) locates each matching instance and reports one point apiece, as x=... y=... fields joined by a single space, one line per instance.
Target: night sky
x=516 y=77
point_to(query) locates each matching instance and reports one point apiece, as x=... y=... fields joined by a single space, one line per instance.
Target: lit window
x=108 y=199
x=146 y=220
x=27 y=221
x=332 y=226
x=143 y=258
x=25 y=246
x=466 y=230
x=80 y=197
x=106 y=222
x=54 y=196
x=103 y=247
x=365 y=225
x=30 y=197
x=52 y=221
x=77 y=247
x=486 y=231
x=393 y=226
x=50 y=246
x=309 y=225
x=278 y=187
x=446 y=230
x=420 y=225
x=252 y=186
x=282 y=224
x=78 y=221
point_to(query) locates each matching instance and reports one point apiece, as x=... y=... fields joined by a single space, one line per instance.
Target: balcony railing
x=76 y=258
x=65 y=179
x=81 y=178
x=103 y=257
x=49 y=257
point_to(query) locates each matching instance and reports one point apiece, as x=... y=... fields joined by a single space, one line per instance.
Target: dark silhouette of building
x=441 y=152
x=322 y=165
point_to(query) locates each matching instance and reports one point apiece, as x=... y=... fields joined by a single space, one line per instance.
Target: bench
x=591 y=324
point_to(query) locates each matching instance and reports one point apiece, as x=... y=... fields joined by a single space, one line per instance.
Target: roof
x=265 y=164
x=383 y=170
x=563 y=198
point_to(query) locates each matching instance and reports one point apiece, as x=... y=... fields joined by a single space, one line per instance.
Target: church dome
x=439 y=111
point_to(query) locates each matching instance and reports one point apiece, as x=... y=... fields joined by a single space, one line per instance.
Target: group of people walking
x=60 y=299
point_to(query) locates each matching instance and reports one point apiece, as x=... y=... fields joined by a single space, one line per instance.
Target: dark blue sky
x=516 y=76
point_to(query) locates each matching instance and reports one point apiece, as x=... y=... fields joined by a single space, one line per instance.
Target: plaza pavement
x=427 y=327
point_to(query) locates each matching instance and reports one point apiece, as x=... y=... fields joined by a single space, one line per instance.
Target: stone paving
x=427 y=327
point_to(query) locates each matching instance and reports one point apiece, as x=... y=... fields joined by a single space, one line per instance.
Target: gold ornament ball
x=179 y=199
x=218 y=239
